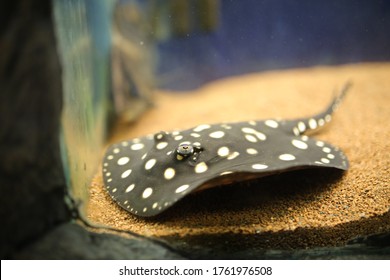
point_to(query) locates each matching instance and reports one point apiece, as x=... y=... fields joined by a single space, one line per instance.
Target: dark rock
x=32 y=183
x=72 y=241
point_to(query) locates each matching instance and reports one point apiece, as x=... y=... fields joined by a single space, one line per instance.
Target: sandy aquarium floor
x=295 y=210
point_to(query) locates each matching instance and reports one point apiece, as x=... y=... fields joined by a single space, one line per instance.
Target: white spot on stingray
x=318 y=162
x=331 y=156
x=150 y=163
x=123 y=160
x=174 y=133
x=321 y=122
x=261 y=136
x=126 y=173
x=114 y=190
x=252 y=122
x=108 y=174
x=130 y=188
x=145 y=209
x=251 y=151
x=312 y=124
x=201 y=127
x=296 y=131
x=125 y=143
x=137 y=146
x=226 y=126
x=178 y=137
x=286 y=157
x=320 y=143
x=169 y=173
x=126 y=201
x=147 y=192
x=154 y=206
x=271 y=123
x=233 y=155
x=201 y=167
x=116 y=150
x=304 y=137
x=248 y=130
x=136 y=140
x=196 y=135
x=326 y=150
x=144 y=156
x=105 y=164
x=180 y=190
x=161 y=145
x=299 y=144
x=259 y=166
x=325 y=160
x=159 y=136
x=301 y=126
x=109 y=180
x=196 y=144
x=170 y=152
x=223 y=151
x=250 y=138
x=226 y=173
x=110 y=157
x=328 y=118
x=217 y=134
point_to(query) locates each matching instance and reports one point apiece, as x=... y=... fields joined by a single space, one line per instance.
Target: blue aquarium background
x=258 y=35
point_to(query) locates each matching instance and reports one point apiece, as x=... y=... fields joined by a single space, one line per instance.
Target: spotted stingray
x=147 y=175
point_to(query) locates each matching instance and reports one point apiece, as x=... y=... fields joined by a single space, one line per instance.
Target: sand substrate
x=294 y=210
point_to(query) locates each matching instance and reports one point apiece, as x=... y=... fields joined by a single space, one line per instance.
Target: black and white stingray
x=147 y=175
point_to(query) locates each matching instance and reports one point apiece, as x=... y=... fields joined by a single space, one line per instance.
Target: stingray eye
x=185 y=150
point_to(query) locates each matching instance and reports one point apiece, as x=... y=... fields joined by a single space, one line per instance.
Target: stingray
x=148 y=175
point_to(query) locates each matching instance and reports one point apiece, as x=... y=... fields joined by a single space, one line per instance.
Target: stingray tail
x=316 y=122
